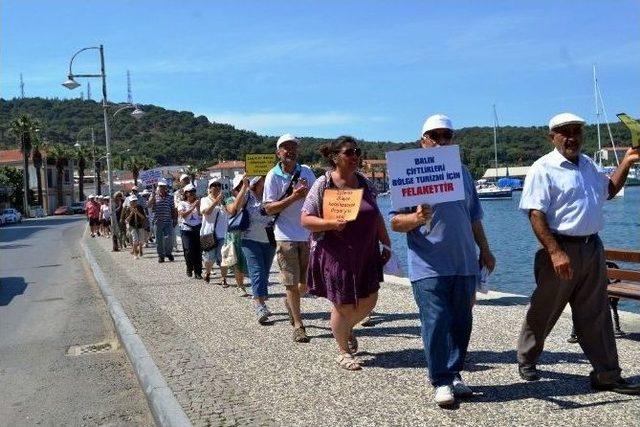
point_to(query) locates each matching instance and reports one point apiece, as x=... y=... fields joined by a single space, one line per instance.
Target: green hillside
x=179 y=137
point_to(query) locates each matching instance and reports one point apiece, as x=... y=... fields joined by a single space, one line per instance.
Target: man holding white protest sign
x=436 y=204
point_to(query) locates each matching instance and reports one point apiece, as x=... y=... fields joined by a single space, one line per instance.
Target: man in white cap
x=563 y=196
x=442 y=243
x=92 y=210
x=165 y=217
x=285 y=187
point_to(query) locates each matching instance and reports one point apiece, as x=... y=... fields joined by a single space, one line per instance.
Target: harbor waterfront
x=514 y=244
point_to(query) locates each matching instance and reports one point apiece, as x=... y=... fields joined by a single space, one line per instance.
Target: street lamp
x=70 y=83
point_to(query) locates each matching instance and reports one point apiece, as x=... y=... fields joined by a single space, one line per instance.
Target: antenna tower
x=129 y=97
x=21 y=86
x=88 y=90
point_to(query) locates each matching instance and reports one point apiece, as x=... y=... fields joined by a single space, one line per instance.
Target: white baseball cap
x=134 y=188
x=145 y=192
x=183 y=176
x=565 y=119
x=254 y=181
x=437 y=121
x=91 y=196
x=286 y=137
x=133 y=199
x=162 y=182
x=189 y=187
x=237 y=180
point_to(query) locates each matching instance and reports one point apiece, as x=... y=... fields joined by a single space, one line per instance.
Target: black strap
x=287 y=193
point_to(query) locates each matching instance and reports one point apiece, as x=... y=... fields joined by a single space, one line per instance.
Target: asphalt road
x=49 y=303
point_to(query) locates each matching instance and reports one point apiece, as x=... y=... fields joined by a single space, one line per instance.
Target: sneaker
x=300 y=335
x=161 y=259
x=170 y=257
x=189 y=273
x=444 y=395
x=198 y=276
x=528 y=372
x=460 y=388
x=261 y=314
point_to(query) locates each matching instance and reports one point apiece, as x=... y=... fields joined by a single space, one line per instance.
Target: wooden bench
x=623 y=283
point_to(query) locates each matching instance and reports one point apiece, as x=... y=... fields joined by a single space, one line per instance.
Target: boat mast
x=595 y=98
x=495 y=139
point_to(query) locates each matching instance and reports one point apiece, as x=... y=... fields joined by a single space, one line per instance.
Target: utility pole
x=88 y=91
x=129 y=96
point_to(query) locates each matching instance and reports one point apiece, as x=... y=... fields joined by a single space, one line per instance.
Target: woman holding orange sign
x=345 y=261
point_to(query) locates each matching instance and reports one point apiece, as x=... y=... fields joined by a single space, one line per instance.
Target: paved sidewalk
x=225 y=369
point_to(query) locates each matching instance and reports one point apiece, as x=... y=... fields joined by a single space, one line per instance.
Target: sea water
x=514 y=244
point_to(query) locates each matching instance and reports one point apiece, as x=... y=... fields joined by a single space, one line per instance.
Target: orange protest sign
x=341 y=204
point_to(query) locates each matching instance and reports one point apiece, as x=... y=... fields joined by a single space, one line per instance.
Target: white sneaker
x=444 y=395
x=460 y=388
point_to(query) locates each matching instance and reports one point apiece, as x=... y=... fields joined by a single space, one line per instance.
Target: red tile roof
x=10 y=156
x=234 y=164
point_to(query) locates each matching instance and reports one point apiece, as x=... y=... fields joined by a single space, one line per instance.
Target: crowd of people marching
x=280 y=216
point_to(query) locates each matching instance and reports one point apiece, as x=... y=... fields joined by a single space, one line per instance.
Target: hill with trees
x=180 y=137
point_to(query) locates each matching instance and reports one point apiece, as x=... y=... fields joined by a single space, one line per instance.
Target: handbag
x=241 y=220
x=209 y=241
x=228 y=254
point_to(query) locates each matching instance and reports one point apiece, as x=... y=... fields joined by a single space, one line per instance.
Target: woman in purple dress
x=345 y=262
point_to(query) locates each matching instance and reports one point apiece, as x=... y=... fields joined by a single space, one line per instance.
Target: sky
x=371 y=69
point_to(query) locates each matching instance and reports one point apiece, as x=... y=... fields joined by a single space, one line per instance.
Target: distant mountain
x=179 y=137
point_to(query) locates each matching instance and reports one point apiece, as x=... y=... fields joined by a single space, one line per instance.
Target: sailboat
x=489 y=190
x=599 y=155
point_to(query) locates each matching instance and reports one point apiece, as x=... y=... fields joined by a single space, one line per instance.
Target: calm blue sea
x=514 y=244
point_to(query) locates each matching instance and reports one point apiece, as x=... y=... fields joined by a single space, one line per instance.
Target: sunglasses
x=440 y=134
x=350 y=152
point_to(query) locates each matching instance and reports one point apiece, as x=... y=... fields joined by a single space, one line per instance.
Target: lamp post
x=70 y=83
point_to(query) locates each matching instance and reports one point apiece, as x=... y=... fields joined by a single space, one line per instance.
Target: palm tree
x=39 y=146
x=24 y=128
x=137 y=163
x=60 y=155
x=81 y=154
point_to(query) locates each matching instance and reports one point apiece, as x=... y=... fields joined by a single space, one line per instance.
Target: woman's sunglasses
x=440 y=134
x=350 y=152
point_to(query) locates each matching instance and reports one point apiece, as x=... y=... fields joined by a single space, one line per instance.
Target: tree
x=137 y=163
x=60 y=155
x=81 y=155
x=11 y=186
x=36 y=155
x=24 y=128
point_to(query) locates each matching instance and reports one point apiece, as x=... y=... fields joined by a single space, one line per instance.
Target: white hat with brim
x=563 y=119
x=145 y=192
x=285 y=138
x=254 y=180
x=437 y=121
x=91 y=196
x=183 y=176
x=214 y=181
x=133 y=199
x=237 y=180
x=189 y=187
x=162 y=183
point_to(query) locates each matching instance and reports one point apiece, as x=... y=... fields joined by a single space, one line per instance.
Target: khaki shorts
x=293 y=258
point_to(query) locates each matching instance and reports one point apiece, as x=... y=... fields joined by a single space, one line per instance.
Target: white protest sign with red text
x=425 y=176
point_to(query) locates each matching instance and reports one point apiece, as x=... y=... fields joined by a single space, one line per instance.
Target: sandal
x=348 y=362
x=224 y=283
x=353 y=344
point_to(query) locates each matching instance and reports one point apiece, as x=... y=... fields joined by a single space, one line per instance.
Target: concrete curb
x=164 y=407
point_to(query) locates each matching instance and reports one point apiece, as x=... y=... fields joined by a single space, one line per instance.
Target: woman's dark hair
x=329 y=150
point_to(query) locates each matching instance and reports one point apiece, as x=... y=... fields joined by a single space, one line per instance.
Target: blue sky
x=373 y=69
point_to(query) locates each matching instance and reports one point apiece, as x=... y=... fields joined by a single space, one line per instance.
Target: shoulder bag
x=241 y=220
x=210 y=241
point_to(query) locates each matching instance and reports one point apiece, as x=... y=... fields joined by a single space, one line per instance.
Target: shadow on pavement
x=15 y=233
x=504 y=301
x=9 y=288
x=16 y=246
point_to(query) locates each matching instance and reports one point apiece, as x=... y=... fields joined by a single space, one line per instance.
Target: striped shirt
x=162 y=209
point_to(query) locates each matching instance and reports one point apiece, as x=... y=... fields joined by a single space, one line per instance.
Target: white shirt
x=209 y=220
x=105 y=211
x=191 y=220
x=571 y=196
x=288 y=227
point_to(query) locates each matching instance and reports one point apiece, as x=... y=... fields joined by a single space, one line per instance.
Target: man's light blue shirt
x=571 y=196
x=447 y=247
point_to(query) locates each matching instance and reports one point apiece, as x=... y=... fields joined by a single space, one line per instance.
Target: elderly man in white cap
x=443 y=270
x=92 y=210
x=285 y=187
x=165 y=217
x=563 y=196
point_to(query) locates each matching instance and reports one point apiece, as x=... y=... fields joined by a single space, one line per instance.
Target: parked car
x=2 y=221
x=77 y=207
x=11 y=216
x=63 y=210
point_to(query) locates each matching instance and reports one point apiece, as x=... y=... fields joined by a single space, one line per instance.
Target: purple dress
x=345 y=266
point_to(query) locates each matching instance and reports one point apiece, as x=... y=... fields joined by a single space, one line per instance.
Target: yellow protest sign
x=259 y=164
x=634 y=127
x=341 y=204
